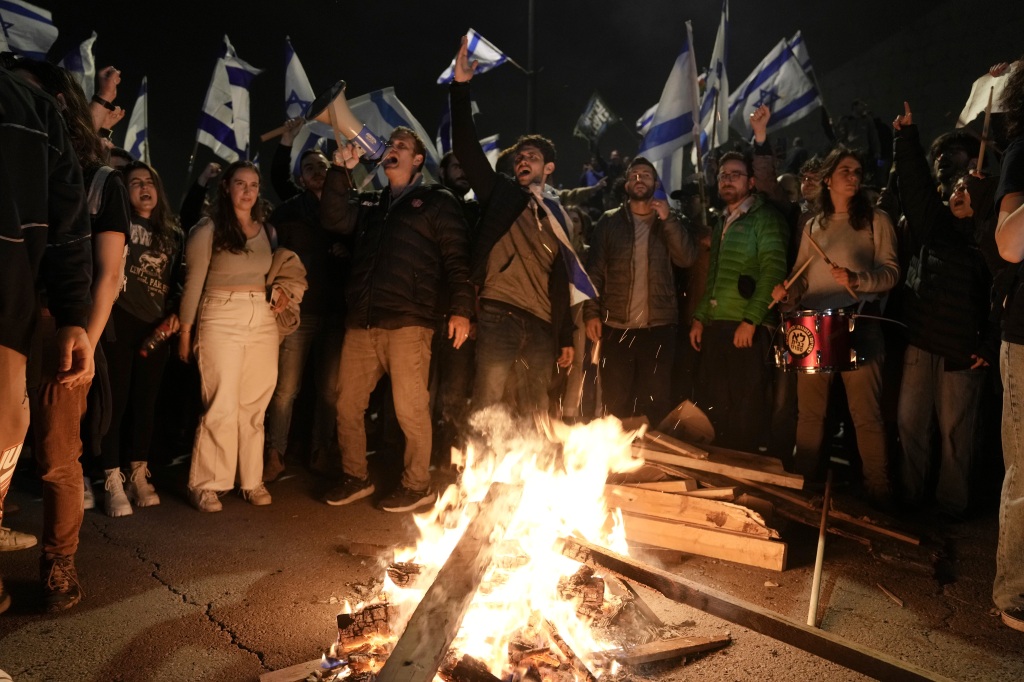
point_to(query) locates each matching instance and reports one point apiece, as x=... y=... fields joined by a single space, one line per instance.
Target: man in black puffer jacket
x=410 y=241
x=946 y=310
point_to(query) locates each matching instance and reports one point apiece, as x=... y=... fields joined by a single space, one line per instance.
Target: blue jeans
x=929 y=394
x=1008 y=589
x=312 y=335
x=510 y=340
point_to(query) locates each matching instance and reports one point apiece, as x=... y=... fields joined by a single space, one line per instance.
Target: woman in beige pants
x=235 y=342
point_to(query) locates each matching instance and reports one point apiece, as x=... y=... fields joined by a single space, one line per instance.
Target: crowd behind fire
x=891 y=267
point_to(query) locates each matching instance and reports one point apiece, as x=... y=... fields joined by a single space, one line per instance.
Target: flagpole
x=531 y=75
x=145 y=115
x=696 y=122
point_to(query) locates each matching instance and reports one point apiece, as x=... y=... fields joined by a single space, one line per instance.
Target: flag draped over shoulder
x=224 y=122
x=595 y=119
x=136 y=137
x=81 y=63
x=673 y=123
x=381 y=111
x=779 y=82
x=480 y=50
x=714 y=106
x=26 y=29
x=580 y=286
x=298 y=95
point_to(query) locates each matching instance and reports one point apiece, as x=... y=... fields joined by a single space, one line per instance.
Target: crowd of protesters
x=427 y=304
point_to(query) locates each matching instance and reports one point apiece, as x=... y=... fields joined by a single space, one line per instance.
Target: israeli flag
x=491 y=149
x=298 y=95
x=780 y=83
x=673 y=124
x=26 y=29
x=799 y=48
x=480 y=50
x=444 y=128
x=224 y=123
x=136 y=137
x=643 y=124
x=81 y=63
x=714 y=107
x=381 y=111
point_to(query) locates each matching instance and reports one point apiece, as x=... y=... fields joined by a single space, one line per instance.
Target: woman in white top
x=861 y=242
x=228 y=322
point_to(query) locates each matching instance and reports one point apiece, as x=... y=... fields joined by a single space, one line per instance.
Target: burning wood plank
x=360 y=628
x=691 y=510
x=741 y=549
x=813 y=640
x=566 y=650
x=403 y=573
x=665 y=649
x=467 y=669
x=437 y=618
x=733 y=463
x=672 y=445
x=583 y=586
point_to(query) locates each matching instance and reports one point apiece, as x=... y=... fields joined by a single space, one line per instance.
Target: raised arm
x=339 y=208
x=465 y=143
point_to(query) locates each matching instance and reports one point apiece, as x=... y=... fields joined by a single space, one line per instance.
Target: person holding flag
x=523 y=263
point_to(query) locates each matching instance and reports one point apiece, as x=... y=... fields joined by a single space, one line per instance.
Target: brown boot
x=273 y=465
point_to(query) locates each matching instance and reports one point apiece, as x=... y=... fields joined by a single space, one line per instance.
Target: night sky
x=624 y=50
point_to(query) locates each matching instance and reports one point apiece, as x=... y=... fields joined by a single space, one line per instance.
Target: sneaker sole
x=410 y=507
x=365 y=492
x=140 y=503
x=1012 y=622
x=15 y=548
x=117 y=513
x=63 y=606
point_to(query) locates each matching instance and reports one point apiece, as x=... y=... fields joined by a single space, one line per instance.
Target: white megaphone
x=331 y=107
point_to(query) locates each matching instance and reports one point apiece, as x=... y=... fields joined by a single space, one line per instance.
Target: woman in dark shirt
x=147 y=307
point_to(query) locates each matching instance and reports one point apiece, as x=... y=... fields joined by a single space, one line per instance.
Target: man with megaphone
x=410 y=242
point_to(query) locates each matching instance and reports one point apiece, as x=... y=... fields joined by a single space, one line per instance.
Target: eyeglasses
x=731 y=177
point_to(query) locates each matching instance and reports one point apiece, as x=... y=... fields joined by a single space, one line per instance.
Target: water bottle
x=155 y=340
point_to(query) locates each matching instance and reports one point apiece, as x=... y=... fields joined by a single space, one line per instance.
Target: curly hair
x=166 y=227
x=1013 y=101
x=54 y=81
x=861 y=211
x=227 y=231
x=539 y=142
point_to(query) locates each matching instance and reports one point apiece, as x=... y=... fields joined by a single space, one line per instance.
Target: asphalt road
x=172 y=594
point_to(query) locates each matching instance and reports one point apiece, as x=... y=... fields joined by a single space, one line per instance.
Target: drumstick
x=789 y=282
x=830 y=264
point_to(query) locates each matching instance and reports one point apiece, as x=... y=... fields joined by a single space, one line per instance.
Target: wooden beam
x=436 y=620
x=622 y=588
x=691 y=510
x=725 y=494
x=293 y=673
x=735 y=464
x=741 y=549
x=837 y=515
x=665 y=649
x=685 y=485
x=674 y=445
x=863 y=659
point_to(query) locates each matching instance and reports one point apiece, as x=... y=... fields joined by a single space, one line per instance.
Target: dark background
x=883 y=52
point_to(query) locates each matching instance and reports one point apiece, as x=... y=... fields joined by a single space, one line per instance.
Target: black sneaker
x=350 y=490
x=60 y=582
x=403 y=500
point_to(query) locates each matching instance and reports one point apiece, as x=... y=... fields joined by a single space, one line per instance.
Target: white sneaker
x=115 y=500
x=89 y=500
x=258 y=496
x=205 y=500
x=12 y=540
x=140 y=491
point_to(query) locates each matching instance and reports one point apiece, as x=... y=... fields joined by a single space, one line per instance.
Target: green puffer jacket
x=751 y=259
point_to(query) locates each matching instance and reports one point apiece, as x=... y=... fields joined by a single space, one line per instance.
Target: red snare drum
x=817 y=341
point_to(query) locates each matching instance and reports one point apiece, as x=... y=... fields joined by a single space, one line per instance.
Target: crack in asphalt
x=182 y=594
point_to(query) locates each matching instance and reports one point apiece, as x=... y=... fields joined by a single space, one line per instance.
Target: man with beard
x=630 y=263
x=522 y=261
x=320 y=331
x=409 y=247
x=748 y=256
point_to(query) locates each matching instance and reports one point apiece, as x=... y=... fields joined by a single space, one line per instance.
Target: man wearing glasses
x=630 y=263
x=748 y=255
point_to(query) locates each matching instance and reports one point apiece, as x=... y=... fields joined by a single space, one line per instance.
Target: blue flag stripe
x=24 y=11
x=768 y=73
x=668 y=131
x=219 y=131
x=240 y=77
x=796 y=105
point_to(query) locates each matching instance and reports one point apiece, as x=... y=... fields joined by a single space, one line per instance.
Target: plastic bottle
x=155 y=340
